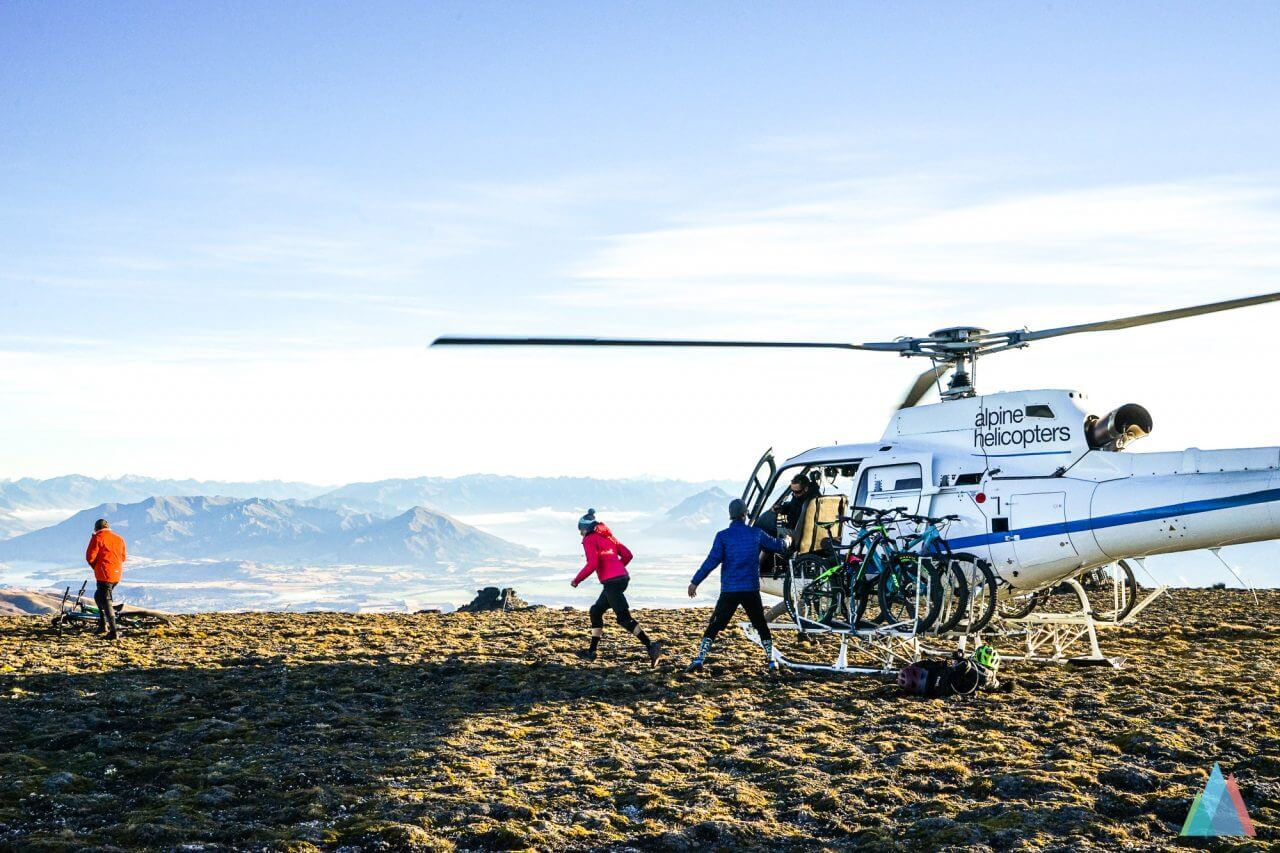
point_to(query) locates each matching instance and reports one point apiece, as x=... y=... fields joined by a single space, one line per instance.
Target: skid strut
x=886 y=653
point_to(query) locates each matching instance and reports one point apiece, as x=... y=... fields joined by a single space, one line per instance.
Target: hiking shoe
x=586 y=654
x=112 y=636
x=655 y=651
x=696 y=666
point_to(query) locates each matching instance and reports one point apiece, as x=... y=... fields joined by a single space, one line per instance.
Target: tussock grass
x=461 y=732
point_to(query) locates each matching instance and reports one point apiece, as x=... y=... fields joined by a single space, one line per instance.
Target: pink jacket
x=606 y=556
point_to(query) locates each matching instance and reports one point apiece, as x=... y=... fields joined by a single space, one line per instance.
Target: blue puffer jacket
x=737 y=548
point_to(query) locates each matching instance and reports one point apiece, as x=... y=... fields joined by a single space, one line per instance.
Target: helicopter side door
x=756 y=490
x=1041 y=543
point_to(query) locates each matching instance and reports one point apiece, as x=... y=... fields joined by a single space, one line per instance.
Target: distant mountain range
x=493 y=493
x=287 y=532
x=455 y=495
x=10 y=525
x=695 y=519
x=26 y=602
x=77 y=492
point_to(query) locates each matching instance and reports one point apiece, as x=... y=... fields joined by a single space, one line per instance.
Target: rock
x=58 y=782
x=1010 y=786
x=492 y=598
x=1128 y=779
x=218 y=796
x=431 y=611
x=943 y=831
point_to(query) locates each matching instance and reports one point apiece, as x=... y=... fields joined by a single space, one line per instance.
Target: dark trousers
x=727 y=605
x=106 y=608
x=612 y=598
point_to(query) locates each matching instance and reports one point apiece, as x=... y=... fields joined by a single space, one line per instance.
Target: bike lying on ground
x=78 y=614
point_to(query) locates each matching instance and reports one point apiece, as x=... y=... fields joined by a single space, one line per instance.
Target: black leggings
x=612 y=598
x=727 y=605
x=106 y=608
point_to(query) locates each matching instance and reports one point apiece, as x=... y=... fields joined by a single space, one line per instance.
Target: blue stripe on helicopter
x=1033 y=453
x=1121 y=518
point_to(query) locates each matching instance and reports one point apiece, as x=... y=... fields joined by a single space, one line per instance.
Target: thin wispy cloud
x=1170 y=234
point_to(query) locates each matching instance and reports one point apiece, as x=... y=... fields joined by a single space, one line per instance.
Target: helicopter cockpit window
x=1039 y=411
x=890 y=485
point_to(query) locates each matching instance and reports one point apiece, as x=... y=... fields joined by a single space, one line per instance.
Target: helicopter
x=1039 y=488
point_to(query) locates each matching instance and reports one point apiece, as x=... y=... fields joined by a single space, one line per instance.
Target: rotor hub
x=958 y=334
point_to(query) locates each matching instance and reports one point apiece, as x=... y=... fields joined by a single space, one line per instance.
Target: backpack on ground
x=926 y=677
x=959 y=676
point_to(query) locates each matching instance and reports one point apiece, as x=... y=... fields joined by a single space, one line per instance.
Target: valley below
x=193 y=586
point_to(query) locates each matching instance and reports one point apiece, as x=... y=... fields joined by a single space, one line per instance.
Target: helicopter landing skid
x=1045 y=638
x=1050 y=637
x=883 y=650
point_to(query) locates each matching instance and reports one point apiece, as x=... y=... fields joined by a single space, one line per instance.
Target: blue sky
x=227 y=231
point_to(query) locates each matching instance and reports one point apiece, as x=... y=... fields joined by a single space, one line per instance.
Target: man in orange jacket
x=106 y=555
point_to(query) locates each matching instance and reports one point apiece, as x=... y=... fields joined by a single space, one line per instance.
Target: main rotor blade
x=648 y=342
x=1145 y=319
x=922 y=385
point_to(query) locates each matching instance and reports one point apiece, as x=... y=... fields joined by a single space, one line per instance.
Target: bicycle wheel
x=859 y=590
x=981 y=605
x=811 y=599
x=1113 y=593
x=953 y=588
x=877 y=560
x=1019 y=603
x=910 y=592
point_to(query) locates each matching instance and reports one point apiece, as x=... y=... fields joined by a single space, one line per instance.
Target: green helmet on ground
x=987 y=656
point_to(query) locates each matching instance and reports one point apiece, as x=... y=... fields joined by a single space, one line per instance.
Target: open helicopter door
x=888 y=486
x=756 y=490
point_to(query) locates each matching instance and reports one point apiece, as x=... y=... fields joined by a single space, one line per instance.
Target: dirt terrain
x=482 y=731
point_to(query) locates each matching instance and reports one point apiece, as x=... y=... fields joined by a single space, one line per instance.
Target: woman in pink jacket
x=607 y=558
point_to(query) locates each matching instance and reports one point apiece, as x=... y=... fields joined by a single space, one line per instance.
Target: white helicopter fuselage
x=1038 y=501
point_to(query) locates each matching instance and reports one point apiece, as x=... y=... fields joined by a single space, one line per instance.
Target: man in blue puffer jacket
x=737 y=550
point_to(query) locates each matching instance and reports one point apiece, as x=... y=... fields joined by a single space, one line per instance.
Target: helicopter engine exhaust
x=1117 y=428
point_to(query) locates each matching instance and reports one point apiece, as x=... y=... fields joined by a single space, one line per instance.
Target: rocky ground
x=482 y=731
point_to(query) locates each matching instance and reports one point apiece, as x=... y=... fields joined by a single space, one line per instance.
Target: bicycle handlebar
x=925 y=519
x=878 y=513
x=860 y=513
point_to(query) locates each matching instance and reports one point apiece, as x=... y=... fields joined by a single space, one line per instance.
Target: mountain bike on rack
x=830 y=588
x=964 y=585
x=919 y=585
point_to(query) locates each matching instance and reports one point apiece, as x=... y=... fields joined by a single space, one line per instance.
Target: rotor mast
x=956 y=348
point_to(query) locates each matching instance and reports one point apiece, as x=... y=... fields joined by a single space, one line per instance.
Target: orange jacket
x=106 y=555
